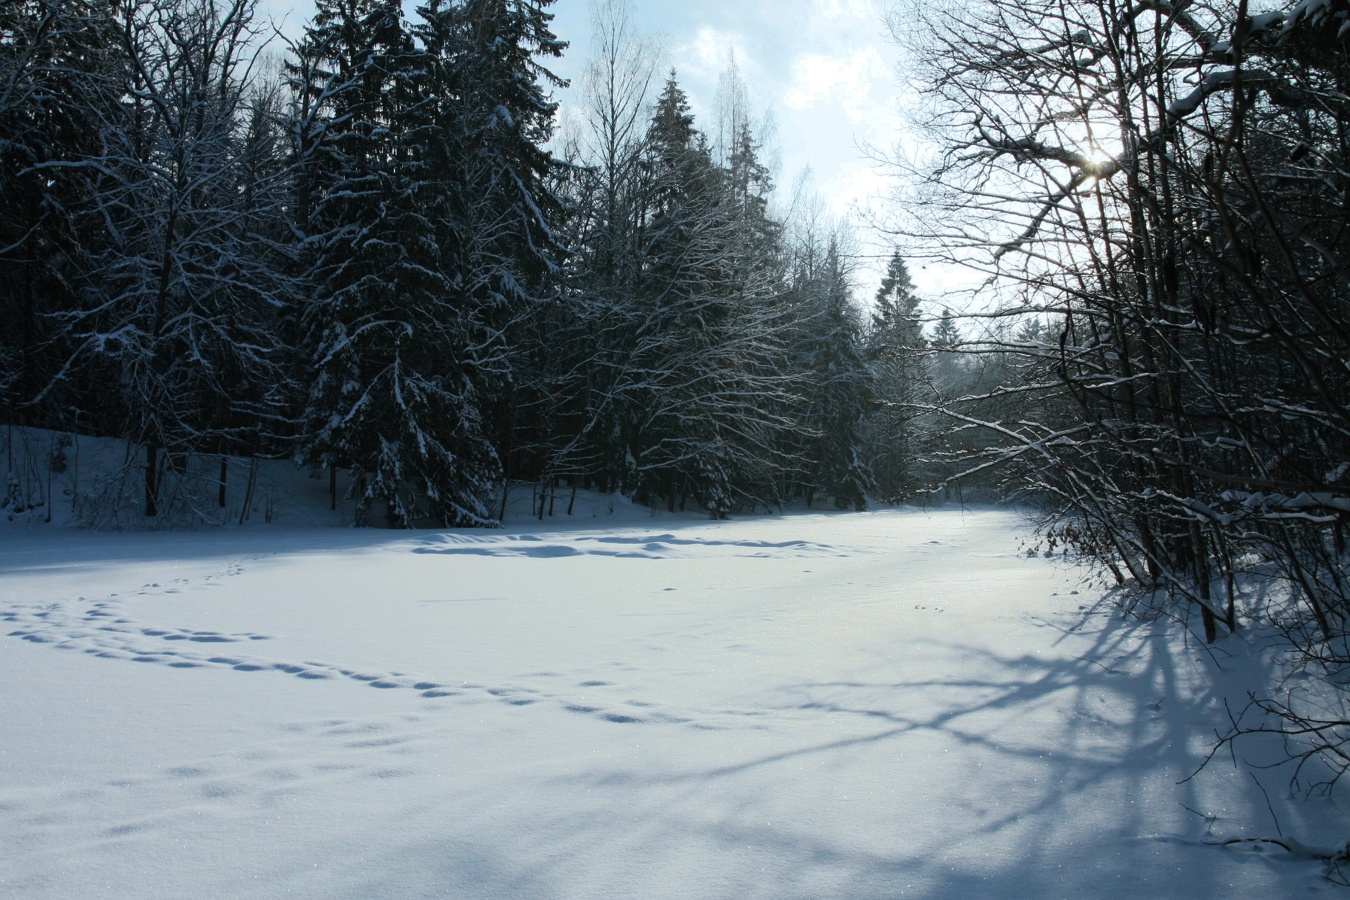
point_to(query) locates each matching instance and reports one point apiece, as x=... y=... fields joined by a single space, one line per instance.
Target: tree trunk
x=151 y=479
x=224 y=476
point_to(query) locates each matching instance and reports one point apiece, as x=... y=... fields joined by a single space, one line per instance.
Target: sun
x=1098 y=157
x=1095 y=160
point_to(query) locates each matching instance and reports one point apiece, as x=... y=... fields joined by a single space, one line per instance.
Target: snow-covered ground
x=896 y=703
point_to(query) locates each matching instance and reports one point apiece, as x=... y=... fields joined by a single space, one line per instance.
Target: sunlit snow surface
x=888 y=704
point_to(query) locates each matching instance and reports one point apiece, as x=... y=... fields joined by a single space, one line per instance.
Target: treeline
x=363 y=254
x=1162 y=192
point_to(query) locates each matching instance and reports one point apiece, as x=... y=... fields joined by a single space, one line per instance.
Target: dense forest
x=371 y=252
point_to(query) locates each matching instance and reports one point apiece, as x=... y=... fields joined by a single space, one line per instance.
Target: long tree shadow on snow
x=1109 y=737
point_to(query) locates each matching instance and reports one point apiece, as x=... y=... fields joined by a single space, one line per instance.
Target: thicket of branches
x=366 y=251
x=1159 y=194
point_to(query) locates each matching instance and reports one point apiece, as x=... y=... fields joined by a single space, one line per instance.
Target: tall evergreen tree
x=836 y=380
x=709 y=384
x=380 y=331
x=666 y=433
x=895 y=348
x=490 y=115
x=429 y=230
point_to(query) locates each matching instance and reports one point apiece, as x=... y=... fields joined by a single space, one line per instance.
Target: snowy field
x=889 y=704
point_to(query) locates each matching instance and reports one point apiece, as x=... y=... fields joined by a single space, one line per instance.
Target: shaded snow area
x=889 y=704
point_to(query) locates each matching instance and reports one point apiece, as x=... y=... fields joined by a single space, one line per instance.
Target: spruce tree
x=675 y=442
x=896 y=351
x=374 y=330
x=489 y=114
x=429 y=230
x=712 y=373
x=836 y=381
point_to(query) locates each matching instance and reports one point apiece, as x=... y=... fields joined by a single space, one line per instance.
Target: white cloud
x=850 y=9
x=849 y=81
x=710 y=50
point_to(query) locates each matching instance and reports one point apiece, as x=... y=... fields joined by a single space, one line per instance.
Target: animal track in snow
x=103 y=628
